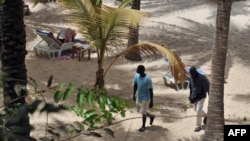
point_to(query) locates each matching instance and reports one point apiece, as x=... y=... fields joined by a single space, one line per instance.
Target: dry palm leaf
x=147 y=49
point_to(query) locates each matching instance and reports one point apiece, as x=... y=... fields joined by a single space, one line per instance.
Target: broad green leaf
x=58 y=96
x=88 y=113
x=110 y=103
x=77 y=110
x=67 y=93
x=118 y=104
x=90 y=98
x=109 y=132
x=102 y=102
x=108 y=117
x=92 y=118
x=49 y=82
x=80 y=99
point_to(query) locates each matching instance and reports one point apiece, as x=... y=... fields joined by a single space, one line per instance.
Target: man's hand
x=134 y=98
x=151 y=105
x=191 y=100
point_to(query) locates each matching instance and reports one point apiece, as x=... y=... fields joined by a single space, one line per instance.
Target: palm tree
x=102 y=23
x=215 y=123
x=133 y=36
x=13 y=52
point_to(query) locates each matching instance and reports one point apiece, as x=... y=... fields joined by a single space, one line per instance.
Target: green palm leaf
x=100 y=24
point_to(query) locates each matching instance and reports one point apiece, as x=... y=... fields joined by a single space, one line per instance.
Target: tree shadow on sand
x=49 y=20
x=242 y=97
x=198 y=40
x=158 y=7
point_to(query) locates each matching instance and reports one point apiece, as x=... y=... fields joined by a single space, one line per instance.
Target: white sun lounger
x=49 y=46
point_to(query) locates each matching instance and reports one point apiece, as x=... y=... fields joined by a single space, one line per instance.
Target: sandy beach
x=187 y=28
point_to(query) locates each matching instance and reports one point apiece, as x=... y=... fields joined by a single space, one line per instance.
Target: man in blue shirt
x=144 y=98
x=199 y=87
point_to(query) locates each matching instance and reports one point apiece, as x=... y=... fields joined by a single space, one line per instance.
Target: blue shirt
x=143 y=86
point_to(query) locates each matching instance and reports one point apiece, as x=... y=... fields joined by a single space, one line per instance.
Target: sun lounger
x=50 y=46
x=169 y=79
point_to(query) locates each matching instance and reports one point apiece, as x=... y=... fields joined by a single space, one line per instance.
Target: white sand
x=186 y=27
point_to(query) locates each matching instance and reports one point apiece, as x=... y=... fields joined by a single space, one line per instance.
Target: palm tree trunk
x=13 y=52
x=215 y=123
x=99 y=83
x=134 y=36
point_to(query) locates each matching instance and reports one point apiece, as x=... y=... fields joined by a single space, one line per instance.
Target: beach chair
x=170 y=81
x=49 y=45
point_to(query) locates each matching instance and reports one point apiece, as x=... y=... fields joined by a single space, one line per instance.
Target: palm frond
x=125 y=3
x=149 y=49
x=113 y=22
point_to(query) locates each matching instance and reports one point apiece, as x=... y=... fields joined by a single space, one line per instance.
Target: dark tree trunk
x=99 y=83
x=134 y=36
x=13 y=52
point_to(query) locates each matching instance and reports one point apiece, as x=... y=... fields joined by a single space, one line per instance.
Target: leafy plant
x=95 y=107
